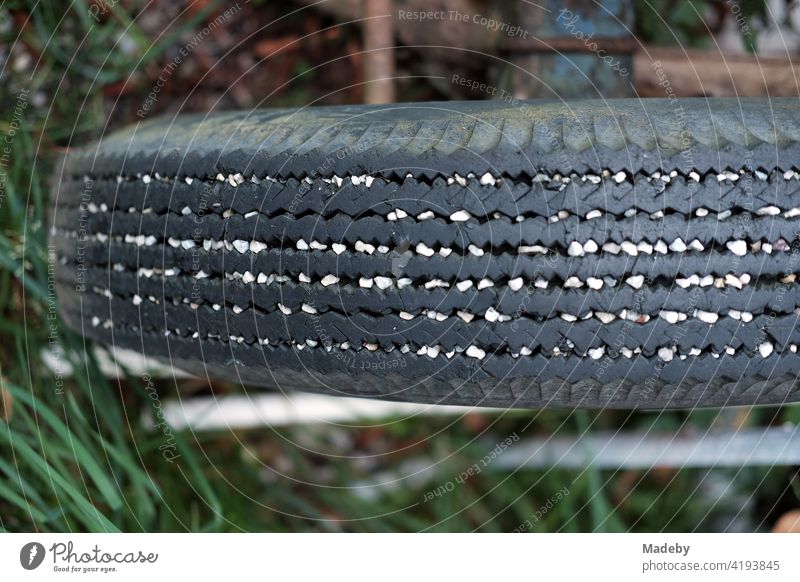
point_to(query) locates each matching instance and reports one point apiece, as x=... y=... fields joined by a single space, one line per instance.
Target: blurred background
x=91 y=441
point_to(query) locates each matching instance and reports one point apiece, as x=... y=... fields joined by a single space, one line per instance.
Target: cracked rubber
x=475 y=295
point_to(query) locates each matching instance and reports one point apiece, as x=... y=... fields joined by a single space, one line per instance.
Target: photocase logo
x=31 y=555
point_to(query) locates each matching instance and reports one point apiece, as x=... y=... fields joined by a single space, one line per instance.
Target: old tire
x=629 y=254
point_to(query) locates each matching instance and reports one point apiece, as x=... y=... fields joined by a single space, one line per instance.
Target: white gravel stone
x=424 y=250
x=630 y=248
x=460 y=216
x=594 y=214
x=488 y=180
x=257 y=246
x=620 y=177
x=611 y=247
x=594 y=283
x=597 y=353
x=706 y=316
x=338 y=248
x=406 y=315
x=466 y=315
x=737 y=247
x=635 y=281
x=765 y=349
x=768 y=211
x=302 y=245
x=427 y=215
x=575 y=249
x=532 y=249
x=363 y=247
x=666 y=354
x=365 y=282
x=604 y=316
x=590 y=246
x=464 y=285
x=485 y=283
x=329 y=280
x=304 y=278
x=478 y=252
x=515 y=284
x=669 y=316
x=475 y=352
x=573 y=283
x=491 y=315
x=677 y=245
x=733 y=281
x=383 y=282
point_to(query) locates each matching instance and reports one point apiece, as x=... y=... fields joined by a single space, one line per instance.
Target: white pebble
x=597 y=353
x=765 y=349
x=669 y=316
x=488 y=180
x=424 y=250
x=604 y=316
x=478 y=252
x=635 y=281
x=466 y=315
x=463 y=285
x=329 y=280
x=363 y=247
x=706 y=316
x=475 y=352
x=630 y=248
x=737 y=247
x=677 y=246
x=575 y=249
x=257 y=246
x=594 y=283
x=383 y=282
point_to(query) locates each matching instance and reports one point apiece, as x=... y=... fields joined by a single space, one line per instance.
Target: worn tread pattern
x=412 y=150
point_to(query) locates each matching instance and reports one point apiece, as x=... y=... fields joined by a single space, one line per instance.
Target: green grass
x=75 y=454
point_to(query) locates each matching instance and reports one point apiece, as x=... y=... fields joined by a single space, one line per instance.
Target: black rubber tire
x=187 y=239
